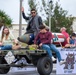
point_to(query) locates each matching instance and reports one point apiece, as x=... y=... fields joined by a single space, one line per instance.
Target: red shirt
x=66 y=36
x=45 y=38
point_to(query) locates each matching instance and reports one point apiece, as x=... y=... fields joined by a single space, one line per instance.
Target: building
x=74 y=24
x=15 y=29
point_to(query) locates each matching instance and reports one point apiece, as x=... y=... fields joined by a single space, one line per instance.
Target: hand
x=40 y=44
x=22 y=9
x=15 y=41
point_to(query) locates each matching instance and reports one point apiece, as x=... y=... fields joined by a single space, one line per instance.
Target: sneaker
x=53 y=59
x=62 y=62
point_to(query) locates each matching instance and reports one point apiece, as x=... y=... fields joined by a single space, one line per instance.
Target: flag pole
x=20 y=19
x=50 y=11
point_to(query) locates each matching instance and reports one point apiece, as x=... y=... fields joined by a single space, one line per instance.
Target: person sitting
x=32 y=29
x=72 y=41
x=8 y=42
x=67 y=37
x=45 y=43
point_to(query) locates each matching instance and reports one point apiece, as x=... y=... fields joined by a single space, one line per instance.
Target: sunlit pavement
x=27 y=71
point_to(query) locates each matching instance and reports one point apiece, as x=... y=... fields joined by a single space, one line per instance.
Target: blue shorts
x=6 y=47
x=31 y=41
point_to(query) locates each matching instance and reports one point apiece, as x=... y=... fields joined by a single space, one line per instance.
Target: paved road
x=26 y=71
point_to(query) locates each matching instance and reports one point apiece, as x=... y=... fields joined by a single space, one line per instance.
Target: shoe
x=62 y=62
x=53 y=59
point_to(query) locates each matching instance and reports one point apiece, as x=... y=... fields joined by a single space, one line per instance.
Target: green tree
x=5 y=19
x=59 y=17
x=32 y=4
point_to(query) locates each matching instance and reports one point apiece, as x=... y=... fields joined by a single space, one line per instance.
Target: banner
x=69 y=67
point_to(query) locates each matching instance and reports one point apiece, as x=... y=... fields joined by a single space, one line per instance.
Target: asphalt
x=27 y=71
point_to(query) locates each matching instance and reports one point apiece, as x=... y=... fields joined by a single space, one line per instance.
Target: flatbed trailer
x=38 y=58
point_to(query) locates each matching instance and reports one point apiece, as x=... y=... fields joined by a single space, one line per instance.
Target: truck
x=38 y=58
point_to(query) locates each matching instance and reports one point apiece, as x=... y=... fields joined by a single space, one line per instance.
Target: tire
x=3 y=70
x=45 y=66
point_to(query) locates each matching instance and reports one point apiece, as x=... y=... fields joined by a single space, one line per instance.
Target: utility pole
x=20 y=19
x=50 y=11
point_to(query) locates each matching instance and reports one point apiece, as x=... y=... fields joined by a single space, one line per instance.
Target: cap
x=73 y=34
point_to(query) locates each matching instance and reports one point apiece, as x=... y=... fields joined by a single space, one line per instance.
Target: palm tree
x=5 y=19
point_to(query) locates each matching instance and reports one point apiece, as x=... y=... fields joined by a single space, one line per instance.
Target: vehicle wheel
x=45 y=66
x=3 y=70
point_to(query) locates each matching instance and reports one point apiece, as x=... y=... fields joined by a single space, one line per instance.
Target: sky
x=69 y=5
x=11 y=7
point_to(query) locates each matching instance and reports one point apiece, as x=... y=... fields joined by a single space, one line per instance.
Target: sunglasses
x=33 y=12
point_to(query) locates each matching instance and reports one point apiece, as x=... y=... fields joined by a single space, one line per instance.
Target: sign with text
x=69 y=67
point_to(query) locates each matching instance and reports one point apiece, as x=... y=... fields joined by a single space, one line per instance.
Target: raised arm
x=23 y=14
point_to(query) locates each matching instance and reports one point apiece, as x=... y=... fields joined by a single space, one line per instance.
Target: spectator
x=67 y=37
x=8 y=41
x=45 y=43
x=72 y=41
